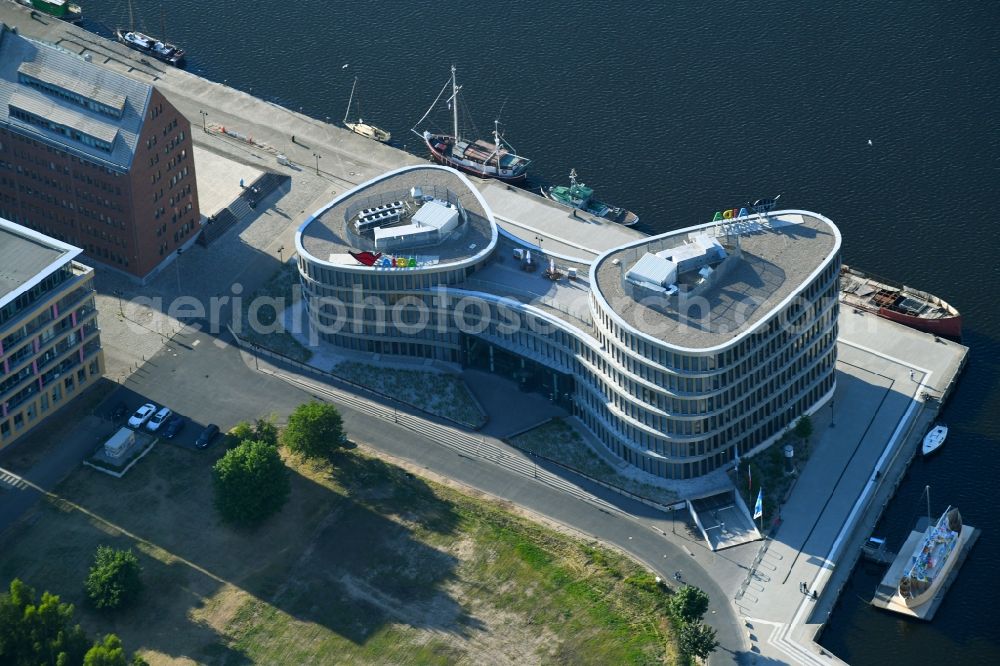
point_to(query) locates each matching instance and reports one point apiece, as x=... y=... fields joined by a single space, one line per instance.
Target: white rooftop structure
x=653 y=270
x=701 y=250
x=437 y=214
x=430 y=224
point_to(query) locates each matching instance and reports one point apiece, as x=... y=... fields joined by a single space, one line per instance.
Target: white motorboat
x=934 y=439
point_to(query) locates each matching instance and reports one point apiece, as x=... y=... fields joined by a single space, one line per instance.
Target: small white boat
x=934 y=439
x=366 y=130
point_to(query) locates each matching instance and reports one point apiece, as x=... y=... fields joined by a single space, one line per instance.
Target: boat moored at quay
x=479 y=157
x=161 y=50
x=61 y=9
x=580 y=197
x=931 y=560
x=362 y=128
x=905 y=305
x=934 y=439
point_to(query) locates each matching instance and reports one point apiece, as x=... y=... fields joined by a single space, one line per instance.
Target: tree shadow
x=352 y=563
x=392 y=491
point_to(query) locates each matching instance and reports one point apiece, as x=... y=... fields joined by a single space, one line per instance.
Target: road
x=206 y=379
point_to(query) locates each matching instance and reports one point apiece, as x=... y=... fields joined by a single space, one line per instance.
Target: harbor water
x=882 y=116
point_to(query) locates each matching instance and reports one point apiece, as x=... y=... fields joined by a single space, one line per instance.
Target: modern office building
x=678 y=351
x=50 y=345
x=93 y=158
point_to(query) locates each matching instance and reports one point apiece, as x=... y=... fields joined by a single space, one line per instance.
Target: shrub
x=114 y=578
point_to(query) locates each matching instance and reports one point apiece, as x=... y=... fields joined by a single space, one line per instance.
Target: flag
x=758 y=508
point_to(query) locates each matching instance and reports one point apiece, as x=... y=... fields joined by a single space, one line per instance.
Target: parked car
x=173 y=426
x=206 y=436
x=142 y=415
x=158 y=419
x=119 y=411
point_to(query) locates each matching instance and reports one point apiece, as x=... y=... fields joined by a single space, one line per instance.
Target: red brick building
x=93 y=158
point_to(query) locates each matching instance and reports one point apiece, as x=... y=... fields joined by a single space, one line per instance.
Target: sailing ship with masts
x=161 y=50
x=496 y=159
x=361 y=127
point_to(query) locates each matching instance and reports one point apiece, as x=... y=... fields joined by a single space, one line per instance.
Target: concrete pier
x=891 y=380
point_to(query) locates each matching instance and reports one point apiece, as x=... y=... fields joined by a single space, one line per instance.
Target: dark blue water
x=683 y=108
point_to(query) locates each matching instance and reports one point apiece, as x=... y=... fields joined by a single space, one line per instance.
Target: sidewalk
x=872 y=424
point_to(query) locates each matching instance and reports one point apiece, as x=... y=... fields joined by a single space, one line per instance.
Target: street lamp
x=317 y=156
x=177 y=268
x=280 y=250
x=204 y=125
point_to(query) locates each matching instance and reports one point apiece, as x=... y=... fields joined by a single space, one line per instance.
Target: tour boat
x=931 y=560
x=934 y=439
x=906 y=305
x=366 y=130
x=581 y=197
x=481 y=158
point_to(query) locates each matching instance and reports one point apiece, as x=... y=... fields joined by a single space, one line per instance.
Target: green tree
x=108 y=653
x=688 y=604
x=251 y=483
x=261 y=430
x=114 y=579
x=314 y=430
x=33 y=634
x=804 y=427
x=698 y=640
x=265 y=430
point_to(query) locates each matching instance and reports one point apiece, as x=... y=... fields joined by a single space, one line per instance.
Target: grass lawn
x=558 y=441
x=365 y=564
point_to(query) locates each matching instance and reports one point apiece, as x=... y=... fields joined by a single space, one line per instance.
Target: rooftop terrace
x=330 y=233
x=777 y=256
x=529 y=217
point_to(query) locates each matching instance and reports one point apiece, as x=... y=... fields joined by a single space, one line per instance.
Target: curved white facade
x=675 y=395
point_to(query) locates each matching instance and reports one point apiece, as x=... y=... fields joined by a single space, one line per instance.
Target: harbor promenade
x=865 y=436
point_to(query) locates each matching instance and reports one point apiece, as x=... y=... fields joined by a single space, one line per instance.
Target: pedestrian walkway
x=865 y=437
x=9 y=480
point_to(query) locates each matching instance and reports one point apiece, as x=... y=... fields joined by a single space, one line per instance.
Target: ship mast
x=496 y=140
x=927 y=489
x=454 y=102
x=350 y=99
x=572 y=178
x=131 y=17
